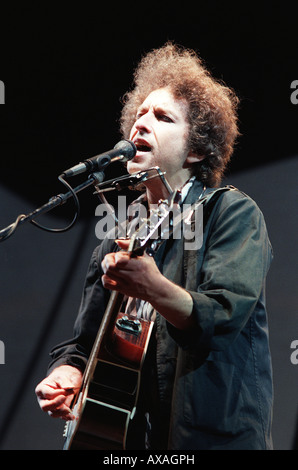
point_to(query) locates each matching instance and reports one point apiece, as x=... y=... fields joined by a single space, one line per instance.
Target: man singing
x=207 y=380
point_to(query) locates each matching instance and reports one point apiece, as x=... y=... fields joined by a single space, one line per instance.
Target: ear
x=192 y=158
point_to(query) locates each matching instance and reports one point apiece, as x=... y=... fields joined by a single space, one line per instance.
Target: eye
x=163 y=117
x=140 y=112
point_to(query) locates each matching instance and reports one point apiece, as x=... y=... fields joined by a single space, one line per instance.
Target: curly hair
x=212 y=106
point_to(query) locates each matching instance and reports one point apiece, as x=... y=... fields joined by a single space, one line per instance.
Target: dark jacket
x=216 y=379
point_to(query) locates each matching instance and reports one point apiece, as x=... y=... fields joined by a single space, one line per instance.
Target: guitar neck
x=107 y=324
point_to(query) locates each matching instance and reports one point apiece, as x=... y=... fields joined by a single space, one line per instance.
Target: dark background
x=65 y=71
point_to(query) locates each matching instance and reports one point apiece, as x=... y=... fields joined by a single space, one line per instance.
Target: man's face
x=160 y=134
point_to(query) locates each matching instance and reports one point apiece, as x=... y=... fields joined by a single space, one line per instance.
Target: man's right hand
x=56 y=392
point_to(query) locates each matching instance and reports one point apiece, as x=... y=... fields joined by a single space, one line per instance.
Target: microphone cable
x=8 y=231
x=76 y=216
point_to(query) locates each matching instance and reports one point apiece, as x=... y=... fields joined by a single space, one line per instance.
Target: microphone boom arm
x=53 y=202
x=132 y=181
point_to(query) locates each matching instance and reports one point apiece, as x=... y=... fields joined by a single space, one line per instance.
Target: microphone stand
x=96 y=179
x=58 y=200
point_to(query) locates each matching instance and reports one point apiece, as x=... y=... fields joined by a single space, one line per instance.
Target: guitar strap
x=208 y=200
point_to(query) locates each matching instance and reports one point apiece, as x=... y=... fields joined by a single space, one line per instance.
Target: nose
x=144 y=123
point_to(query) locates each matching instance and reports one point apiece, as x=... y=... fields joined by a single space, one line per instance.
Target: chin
x=134 y=167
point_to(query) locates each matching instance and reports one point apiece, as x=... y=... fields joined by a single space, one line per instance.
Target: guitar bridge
x=129 y=325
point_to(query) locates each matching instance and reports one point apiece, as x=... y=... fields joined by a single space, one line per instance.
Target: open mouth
x=142 y=146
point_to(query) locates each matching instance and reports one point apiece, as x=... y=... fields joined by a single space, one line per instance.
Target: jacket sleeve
x=231 y=274
x=76 y=350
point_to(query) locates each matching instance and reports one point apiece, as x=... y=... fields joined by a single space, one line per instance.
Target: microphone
x=123 y=151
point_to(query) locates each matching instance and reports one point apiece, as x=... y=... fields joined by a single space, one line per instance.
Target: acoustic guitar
x=106 y=401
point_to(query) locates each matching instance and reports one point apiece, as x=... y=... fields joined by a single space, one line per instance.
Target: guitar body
x=107 y=400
